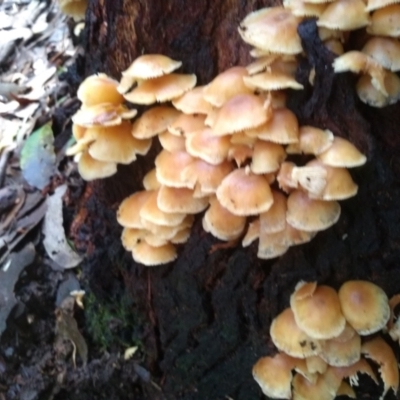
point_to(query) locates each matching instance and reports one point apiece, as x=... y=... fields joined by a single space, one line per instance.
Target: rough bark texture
x=209 y=312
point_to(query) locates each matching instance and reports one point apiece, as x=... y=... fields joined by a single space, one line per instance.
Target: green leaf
x=38 y=160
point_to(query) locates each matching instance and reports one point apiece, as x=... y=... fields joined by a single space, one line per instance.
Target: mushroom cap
x=316 y=364
x=150 y=181
x=243 y=111
x=345 y=15
x=342 y=153
x=289 y=338
x=282 y=128
x=116 y=144
x=170 y=165
x=309 y=214
x=274 y=375
x=335 y=46
x=154 y=121
x=272 y=80
x=364 y=305
x=193 y=102
x=226 y=85
x=313 y=140
x=180 y=200
x=90 y=169
x=284 y=177
x=128 y=211
x=221 y=223
x=258 y=196
x=150 y=66
x=148 y=255
x=205 y=145
x=273 y=29
x=377 y=4
x=171 y=142
x=301 y=8
x=380 y=352
x=186 y=124
x=97 y=89
x=267 y=157
x=319 y=315
x=386 y=51
x=385 y=21
x=274 y=220
x=131 y=237
x=161 y=89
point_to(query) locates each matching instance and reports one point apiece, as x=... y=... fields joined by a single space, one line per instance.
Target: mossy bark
x=209 y=312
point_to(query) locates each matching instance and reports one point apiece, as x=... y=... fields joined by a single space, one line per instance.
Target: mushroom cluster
x=321 y=337
x=102 y=130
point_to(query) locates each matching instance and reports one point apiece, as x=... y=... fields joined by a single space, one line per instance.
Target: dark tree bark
x=209 y=312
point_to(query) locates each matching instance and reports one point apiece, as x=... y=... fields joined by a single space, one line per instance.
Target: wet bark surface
x=206 y=317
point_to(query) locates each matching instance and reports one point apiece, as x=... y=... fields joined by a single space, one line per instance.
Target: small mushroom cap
x=172 y=142
x=273 y=29
x=205 y=145
x=97 y=89
x=380 y=352
x=319 y=315
x=165 y=233
x=258 y=193
x=365 y=306
x=303 y=290
x=252 y=234
x=290 y=339
x=243 y=111
x=386 y=51
x=161 y=89
x=335 y=46
x=170 y=165
x=150 y=66
x=377 y=4
x=342 y=153
x=180 y=200
x=181 y=236
x=150 y=181
x=148 y=255
x=282 y=128
x=267 y=157
x=274 y=375
x=351 y=371
x=90 y=169
x=116 y=144
x=154 y=121
x=128 y=211
x=193 y=102
x=131 y=237
x=345 y=15
x=262 y=63
x=313 y=140
x=301 y=8
x=221 y=223
x=341 y=354
x=311 y=215
x=226 y=85
x=274 y=220
x=385 y=21
x=186 y=124
x=316 y=364
x=284 y=177
x=274 y=80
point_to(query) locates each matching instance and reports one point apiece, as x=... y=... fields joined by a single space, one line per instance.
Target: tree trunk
x=209 y=312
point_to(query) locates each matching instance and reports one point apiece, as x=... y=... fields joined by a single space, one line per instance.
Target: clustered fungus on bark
x=322 y=337
x=229 y=146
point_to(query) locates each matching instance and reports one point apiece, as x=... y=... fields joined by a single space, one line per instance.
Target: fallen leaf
x=55 y=242
x=38 y=158
x=9 y=274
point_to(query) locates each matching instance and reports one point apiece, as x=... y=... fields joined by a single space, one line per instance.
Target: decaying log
x=209 y=312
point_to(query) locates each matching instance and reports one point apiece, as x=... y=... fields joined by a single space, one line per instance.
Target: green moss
x=113 y=323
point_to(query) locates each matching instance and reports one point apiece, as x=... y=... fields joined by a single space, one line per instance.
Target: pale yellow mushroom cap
x=226 y=85
x=274 y=220
x=385 y=21
x=316 y=364
x=273 y=29
x=221 y=223
x=186 y=124
x=154 y=121
x=258 y=196
x=301 y=8
x=131 y=237
x=319 y=315
x=193 y=102
x=150 y=181
x=345 y=15
x=379 y=351
x=274 y=375
x=150 y=66
x=312 y=140
x=284 y=177
x=311 y=215
x=172 y=142
x=90 y=169
x=365 y=306
x=148 y=255
x=161 y=89
x=180 y=200
x=342 y=153
x=274 y=80
x=128 y=211
x=386 y=51
x=267 y=157
x=377 y=4
x=289 y=338
x=97 y=89
x=243 y=111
